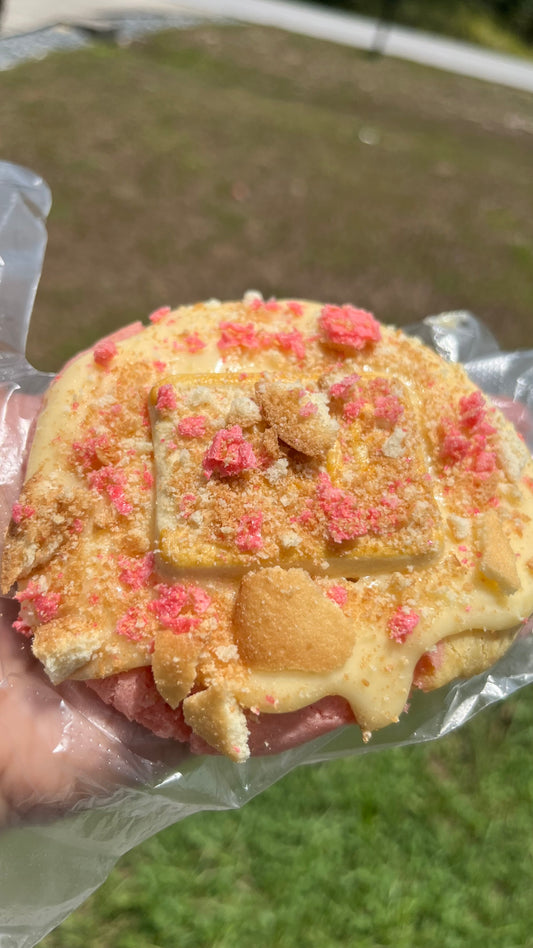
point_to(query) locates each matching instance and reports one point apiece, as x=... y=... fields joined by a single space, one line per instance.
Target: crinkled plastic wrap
x=139 y=784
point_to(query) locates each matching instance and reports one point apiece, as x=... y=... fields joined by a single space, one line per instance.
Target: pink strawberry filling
x=135 y=695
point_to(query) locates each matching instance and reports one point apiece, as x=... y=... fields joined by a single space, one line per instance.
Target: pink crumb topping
x=308 y=409
x=402 y=623
x=133 y=624
x=352 y=408
x=22 y=628
x=104 y=352
x=292 y=341
x=44 y=605
x=343 y=389
x=112 y=480
x=166 y=398
x=186 y=505
x=345 y=518
x=388 y=408
x=473 y=414
x=379 y=386
x=484 y=463
x=125 y=333
x=229 y=453
x=135 y=572
x=88 y=452
x=348 y=327
x=295 y=307
x=248 y=538
x=22 y=512
x=77 y=525
x=238 y=336
x=454 y=446
x=271 y=305
x=179 y=607
x=338 y=594
x=147 y=478
x=193 y=426
x=159 y=365
x=159 y=314
x=194 y=342
x=465 y=438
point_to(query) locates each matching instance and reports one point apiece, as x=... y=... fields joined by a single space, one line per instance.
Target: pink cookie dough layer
x=134 y=694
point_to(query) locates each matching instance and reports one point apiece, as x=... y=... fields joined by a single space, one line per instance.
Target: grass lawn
x=204 y=163
x=422 y=847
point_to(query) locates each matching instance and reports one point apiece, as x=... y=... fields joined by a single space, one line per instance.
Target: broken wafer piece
x=174 y=664
x=227 y=503
x=299 y=415
x=277 y=614
x=216 y=716
x=49 y=513
x=498 y=562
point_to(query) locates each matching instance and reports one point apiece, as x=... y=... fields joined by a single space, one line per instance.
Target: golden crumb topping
x=311 y=481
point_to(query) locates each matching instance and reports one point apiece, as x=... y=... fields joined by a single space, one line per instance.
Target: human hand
x=57 y=746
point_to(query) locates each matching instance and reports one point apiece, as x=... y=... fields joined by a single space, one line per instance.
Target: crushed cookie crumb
x=21 y=512
x=158 y=314
x=248 y=538
x=346 y=327
x=194 y=342
x=166 y=398
x=229 y=454
x=290 y=539
x=180 y=607
x=38 y=606
x=394 y=446
x=243 y=411
x=192 y=426
x=104 y=352
x=338 y=594
x=227 y=653
x=402 y=623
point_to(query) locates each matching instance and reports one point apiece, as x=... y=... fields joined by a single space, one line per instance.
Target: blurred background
x=206 y=160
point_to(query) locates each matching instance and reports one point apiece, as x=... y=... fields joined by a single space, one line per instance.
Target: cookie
x=257 y=506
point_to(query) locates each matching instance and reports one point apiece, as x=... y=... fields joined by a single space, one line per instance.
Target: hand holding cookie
x=53 y=752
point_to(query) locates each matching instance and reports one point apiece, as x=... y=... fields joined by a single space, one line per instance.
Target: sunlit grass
x=422 y=846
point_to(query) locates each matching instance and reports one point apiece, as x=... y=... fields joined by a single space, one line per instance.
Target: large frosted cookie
x=256 y=513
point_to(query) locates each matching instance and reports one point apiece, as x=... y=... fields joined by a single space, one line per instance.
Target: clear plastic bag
x=139 y=784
